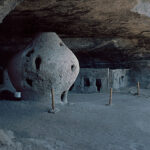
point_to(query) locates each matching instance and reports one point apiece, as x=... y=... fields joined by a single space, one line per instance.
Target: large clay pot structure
x=47 y=63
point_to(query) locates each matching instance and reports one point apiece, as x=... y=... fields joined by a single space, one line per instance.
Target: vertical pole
x=138 y=88
x=110 y=98
x=53 y=103
x=108 y=79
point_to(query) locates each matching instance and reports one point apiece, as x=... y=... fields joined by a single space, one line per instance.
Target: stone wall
x=91 y=80
x=100 y=80
x=119 y=78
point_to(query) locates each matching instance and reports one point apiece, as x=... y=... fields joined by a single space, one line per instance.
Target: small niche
x=63 y=96
x=61 y=44
x=86 y=82
x=73 y=67
x=98 y=84
x=38 y=61
x=122 y=78
x=29 y=82
x=30 y=53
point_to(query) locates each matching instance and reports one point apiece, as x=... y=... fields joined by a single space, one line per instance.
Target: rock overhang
x=123 y=24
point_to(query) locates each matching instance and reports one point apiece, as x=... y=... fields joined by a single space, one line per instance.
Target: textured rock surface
x=141 y=73
x=6 y=138
x=6 y=6
x=122 y=27
x=108 y=52
x=84 y=18
x=91 y=52
x=44 y=65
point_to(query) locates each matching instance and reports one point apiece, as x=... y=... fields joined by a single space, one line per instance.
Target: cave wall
x=6 y=6
x=141 y=73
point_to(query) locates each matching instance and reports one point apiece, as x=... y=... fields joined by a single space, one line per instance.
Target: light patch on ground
x=143 y=126
x=142 y=7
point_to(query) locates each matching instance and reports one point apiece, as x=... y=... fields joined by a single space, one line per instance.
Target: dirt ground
x=86 y=123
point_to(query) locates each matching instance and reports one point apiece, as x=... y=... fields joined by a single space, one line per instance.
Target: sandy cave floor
x=85 y=124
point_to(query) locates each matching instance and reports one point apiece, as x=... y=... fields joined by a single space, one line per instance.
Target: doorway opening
x=98 y=84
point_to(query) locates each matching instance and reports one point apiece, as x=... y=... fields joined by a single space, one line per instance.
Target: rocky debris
x=132 y=90
x=43 y=144
x=9 y=142
x=6 y=138
x=143 y=92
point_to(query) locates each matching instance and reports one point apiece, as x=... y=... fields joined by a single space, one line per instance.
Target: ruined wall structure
x=100 y=80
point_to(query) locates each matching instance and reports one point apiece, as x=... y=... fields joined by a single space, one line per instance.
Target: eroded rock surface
x=45 y=64
x=6 y=6
x=99 y=18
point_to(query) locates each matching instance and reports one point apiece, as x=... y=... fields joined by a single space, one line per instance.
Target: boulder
x=45 y=64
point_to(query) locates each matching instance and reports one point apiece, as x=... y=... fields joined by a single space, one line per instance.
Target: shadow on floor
x=7 y=95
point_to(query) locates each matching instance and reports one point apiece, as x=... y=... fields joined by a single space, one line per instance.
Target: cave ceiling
x=123 y=23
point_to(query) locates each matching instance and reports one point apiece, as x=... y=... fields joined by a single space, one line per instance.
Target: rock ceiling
x=100 y=18
x=126 y=23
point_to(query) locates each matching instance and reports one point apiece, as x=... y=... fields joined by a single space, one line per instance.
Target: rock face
x=44 y=65
x=101 y=18
x=91 y=52
x=141 y=73
x=6 y=6
x=121 y=27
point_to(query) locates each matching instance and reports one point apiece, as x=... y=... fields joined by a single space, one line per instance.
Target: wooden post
x=53 y=103
x=108 y=78
x=110 y=98
x=138 y=88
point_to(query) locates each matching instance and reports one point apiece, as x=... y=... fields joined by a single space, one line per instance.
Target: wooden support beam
x=110 y=97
